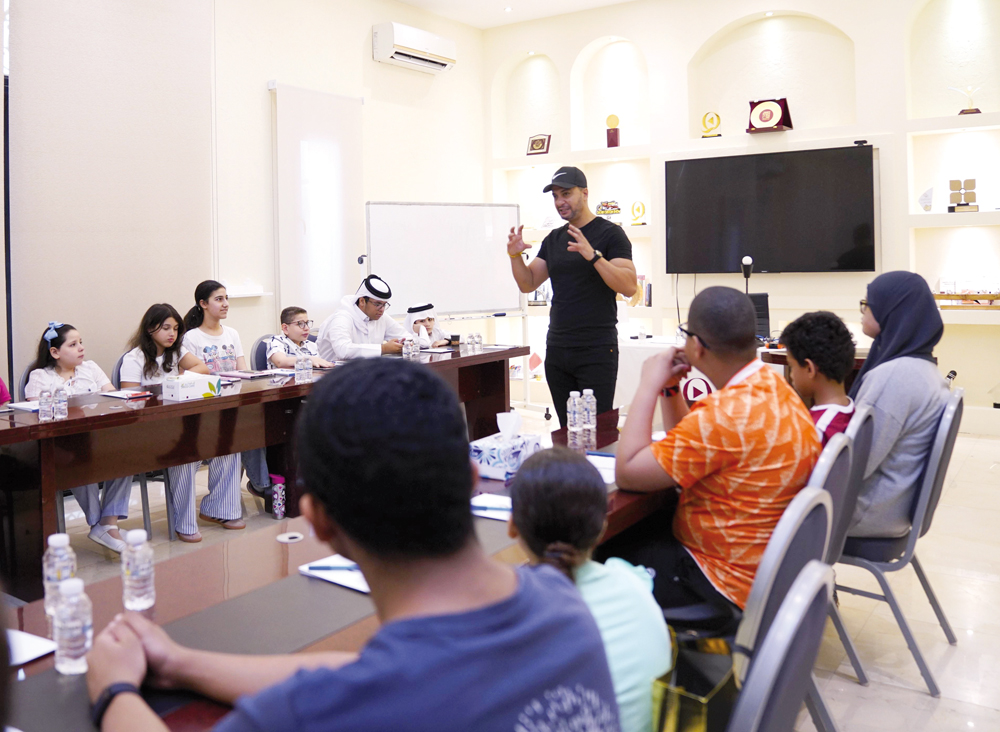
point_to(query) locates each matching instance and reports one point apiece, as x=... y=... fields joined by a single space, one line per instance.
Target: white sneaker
x=99 y=533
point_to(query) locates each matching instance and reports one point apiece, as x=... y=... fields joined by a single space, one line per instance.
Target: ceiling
x=491 y=13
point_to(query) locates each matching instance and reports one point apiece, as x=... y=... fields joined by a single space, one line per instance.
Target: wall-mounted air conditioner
x=412 y=48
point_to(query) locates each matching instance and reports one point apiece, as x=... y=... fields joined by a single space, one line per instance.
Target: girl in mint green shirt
x=560 y=504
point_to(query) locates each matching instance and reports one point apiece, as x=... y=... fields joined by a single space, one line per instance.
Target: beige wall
x=110 y=156
x=423 y=135
x=117 y=106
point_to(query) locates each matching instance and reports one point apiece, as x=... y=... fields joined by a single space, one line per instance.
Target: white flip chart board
x=451 y=254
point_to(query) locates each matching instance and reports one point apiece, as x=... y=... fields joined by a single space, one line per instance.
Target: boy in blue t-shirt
x=466 y=643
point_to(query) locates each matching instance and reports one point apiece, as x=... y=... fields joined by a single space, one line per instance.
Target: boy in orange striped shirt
x=736 y=458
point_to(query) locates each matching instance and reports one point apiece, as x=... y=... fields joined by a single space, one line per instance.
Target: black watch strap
x=597 y=256
x=669 y=391
x=104 y=700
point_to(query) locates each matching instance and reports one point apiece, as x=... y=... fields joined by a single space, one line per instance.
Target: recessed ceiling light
x=507 y=9
x=531 y=53
x=769 y=13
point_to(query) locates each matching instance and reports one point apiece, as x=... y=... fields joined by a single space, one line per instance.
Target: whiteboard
x=451 y=254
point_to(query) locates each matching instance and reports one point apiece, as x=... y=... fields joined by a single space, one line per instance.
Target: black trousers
x=679 y=581
x=575 y=368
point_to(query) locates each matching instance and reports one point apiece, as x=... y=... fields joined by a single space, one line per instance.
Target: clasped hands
x=126 y=650
x=664 y=370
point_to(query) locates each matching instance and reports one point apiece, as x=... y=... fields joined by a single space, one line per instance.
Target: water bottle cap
x=574 y=393
x=135 y=537
x=44 y=392
x=59 y=540
x=588 y=392
x=70 y=587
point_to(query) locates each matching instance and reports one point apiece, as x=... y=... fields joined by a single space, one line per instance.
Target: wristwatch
x=669 y=391
x=104 y=700
x=597 y=255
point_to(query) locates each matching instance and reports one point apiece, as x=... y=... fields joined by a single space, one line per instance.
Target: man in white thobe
x=359 y=328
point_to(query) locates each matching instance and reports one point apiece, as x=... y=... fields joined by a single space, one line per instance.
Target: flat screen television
x=803 y=211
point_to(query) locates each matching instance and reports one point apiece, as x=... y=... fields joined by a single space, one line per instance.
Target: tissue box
x=499 y=458
x=191 y=386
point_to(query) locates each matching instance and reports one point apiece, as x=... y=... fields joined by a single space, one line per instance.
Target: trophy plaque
x=769 y=115
x=609 y=210
x=709 y=124
x=613 y=139
x=963 y=197
x=538 y=144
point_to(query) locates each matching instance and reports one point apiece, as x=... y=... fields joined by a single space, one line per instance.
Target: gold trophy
x=709 y=124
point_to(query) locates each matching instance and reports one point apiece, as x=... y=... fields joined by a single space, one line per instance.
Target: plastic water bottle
x=45 y=406
x=303 y=369
x=60 y=404
x=138 y=587
x=573 y=409
x=410 y=348
x=588 y=414
x=58 y=564
x=73 y=629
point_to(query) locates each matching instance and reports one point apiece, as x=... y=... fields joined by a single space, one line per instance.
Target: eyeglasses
x=379 y=304
x=304 y=324
x=864 y=306
x=682 y=331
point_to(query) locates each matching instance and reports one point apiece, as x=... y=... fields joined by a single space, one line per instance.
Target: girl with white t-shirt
x=60 y=363
x=157 y=351
x=219 y=348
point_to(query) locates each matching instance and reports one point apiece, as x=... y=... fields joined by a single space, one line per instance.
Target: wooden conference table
x=245 y=595
x=106 y=438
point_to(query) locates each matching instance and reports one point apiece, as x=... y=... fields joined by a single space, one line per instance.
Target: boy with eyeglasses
x=293 y=341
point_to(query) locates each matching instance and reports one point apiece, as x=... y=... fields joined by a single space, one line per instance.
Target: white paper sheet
x=491 y=506
x=352 y=579
x=25 y=647
x=24 y=406
x=605 y=464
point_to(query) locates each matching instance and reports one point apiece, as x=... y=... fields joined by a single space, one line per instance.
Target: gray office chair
x=801 y=536
x=859 y=432
x=779 y=678
x=23 y=381
x=116 y=381
x=258 y=353
x=879 y=556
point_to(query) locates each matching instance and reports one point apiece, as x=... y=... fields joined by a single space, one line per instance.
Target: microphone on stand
x=747 y=269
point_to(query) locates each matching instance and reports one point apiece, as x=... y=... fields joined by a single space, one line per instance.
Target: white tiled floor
x=95 y=562
x=961 y=556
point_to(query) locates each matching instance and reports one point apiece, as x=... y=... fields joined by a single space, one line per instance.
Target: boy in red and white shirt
x=820 y=358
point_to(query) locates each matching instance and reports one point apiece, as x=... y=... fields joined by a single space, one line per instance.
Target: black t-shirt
x=583 y=306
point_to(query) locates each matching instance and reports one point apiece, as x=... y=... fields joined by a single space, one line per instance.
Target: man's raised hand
x=515 y=242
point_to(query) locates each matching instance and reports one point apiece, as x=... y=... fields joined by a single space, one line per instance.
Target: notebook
x=352 y=579
x=491 y=506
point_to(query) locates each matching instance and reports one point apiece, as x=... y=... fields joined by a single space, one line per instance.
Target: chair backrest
x=776 y=686
x=861 y=431
x=23 y=381
x=932 y=481
x=312 y=337
x=258 y=354
x=833 y=474
x=116 y=373
x=802 y=534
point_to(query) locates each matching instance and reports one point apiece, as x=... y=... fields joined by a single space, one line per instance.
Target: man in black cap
x=589 y=261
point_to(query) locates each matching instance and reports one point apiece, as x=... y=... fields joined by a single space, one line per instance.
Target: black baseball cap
x=567 y=177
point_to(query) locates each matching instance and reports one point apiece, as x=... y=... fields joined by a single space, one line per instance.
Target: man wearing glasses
x=284 y=349
x=736 y=458
x=357 y=329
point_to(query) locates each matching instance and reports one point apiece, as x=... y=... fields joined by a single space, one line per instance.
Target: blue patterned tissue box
x=498 y=458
